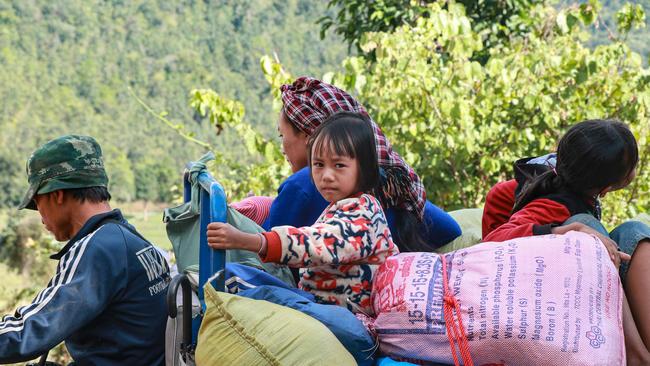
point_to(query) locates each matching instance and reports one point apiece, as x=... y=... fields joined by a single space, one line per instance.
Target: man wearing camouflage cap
x=107 y=298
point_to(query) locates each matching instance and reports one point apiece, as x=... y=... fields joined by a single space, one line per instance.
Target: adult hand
x=224 y=236
x=612 y=248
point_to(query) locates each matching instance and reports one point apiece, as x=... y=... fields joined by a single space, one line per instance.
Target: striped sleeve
x=72 y=297
x=256 y=208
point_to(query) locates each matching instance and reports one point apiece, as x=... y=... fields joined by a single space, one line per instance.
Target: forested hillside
x=67 y=66
x=602 y=32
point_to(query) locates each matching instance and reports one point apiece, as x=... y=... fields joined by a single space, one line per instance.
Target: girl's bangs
x=333 y=143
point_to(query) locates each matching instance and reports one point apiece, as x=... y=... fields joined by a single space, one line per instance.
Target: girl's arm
x=536 y=218
x=614 y=254
x=225 y=236
x=352 y=231
x=637 y=289
x=635 y=350
x=498 y=206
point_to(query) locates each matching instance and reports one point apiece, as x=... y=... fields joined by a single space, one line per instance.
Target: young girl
x=559 y=193
x=339 y=253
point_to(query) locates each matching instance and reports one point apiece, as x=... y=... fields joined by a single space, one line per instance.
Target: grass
x=147 y=219
x=12 y=284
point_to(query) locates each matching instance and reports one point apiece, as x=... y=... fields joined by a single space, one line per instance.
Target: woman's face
x=294 y=144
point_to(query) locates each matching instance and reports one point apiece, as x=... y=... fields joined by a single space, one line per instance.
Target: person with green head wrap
x=107 y=297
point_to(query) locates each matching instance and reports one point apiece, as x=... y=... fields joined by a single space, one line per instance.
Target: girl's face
x=626 y=182
x=294 y=144
x=336 y=177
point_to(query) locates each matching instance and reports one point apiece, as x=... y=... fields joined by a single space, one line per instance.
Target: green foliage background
x=461 y=96
x=461 y=113
x=462 y=123
x=602 y=31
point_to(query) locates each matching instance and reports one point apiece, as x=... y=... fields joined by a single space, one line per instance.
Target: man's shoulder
x=117 y=247
x=114 y=238
x=105 y=242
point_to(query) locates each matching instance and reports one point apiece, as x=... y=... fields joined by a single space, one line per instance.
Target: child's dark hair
x=350 y=134
x=409 y=232
x=591 y=156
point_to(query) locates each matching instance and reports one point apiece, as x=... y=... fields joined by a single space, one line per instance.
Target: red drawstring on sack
x=455 y=329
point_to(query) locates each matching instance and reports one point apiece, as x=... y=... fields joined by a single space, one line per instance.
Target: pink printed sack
x=553 y=299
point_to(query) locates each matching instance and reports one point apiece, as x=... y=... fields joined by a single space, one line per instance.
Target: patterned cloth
x=339 y=254
x=256 y=208
x=308 y=102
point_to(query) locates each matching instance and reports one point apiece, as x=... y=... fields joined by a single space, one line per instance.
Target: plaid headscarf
x=308 y=102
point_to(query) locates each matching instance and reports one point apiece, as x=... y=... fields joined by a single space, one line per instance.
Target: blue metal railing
x=213 y=208
x=213 y=202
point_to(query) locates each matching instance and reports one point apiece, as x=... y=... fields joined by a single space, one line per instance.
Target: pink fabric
x=553 y=299
x=256 y=208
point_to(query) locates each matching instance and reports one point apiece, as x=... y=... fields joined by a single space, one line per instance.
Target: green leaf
x=561 y=22
x=267 y=65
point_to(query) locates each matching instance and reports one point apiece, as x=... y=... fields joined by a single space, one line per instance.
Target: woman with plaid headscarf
x=416 y=224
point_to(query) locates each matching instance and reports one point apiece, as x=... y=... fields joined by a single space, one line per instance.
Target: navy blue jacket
x=106 y=300
x=300 y=204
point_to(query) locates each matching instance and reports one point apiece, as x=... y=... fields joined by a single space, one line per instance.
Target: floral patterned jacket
x=339 y=254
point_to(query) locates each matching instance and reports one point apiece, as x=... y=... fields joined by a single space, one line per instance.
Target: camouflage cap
x=66 y=162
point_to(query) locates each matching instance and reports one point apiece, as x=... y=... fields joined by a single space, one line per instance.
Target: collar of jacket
x=91 y=225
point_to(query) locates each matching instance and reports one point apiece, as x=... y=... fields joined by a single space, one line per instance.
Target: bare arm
x=635 y=350
x=224 y=236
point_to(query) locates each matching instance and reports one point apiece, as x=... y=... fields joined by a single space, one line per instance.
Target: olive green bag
x=469 y=220
x=241 y=331
x=183 y=225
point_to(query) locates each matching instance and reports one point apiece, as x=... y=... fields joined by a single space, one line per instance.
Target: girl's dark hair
x=591 y=156
x=408 y=237
x=350 y=134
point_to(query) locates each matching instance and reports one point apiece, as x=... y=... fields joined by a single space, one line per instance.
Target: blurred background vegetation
x=87 y=67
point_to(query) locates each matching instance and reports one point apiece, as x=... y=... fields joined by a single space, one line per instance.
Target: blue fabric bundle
x=240 y=277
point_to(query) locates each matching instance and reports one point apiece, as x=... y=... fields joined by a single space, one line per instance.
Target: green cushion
x=469 y=220
x=240 y=331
